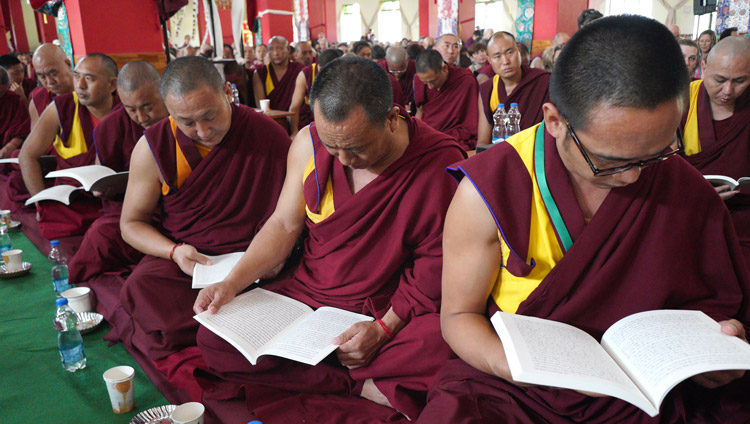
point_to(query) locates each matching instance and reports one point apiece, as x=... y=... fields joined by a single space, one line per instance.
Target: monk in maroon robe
x=374 y=195
x=611 y=237
x=398 y=64
x=301 y=99
x=54 y=72
x=14 y=118
x=717 y=127
x=512 y=83
x=103 y=249
x=68 y=125
x=446 y=98
x=214 y=171
x=276 y=80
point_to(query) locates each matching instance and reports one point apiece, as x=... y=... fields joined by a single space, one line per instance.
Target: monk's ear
x=113 y=85
x=228 y=90
x=554 y=122
x=392 y=119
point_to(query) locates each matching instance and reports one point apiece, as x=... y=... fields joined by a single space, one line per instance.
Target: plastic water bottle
x=513 y=120
x=498 y=131
x=69 y=340
x=59 y=268
x=235 y=95
x=4 y=238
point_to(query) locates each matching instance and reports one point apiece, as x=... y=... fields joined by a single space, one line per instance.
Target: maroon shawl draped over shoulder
x=381 y=248
x=530 y=94
x=727 y=155
x=647 y=247
x=281 y=96
x=305 y=113
x=14 y=118
x=453 y=109
x=406 y=82
x=41 y=98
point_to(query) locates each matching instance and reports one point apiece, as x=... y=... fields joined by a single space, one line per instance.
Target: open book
x=720 y=180
x=641 y=357
x=9 y=160
x=92 y=178
x=205 y=275
x=261 y=322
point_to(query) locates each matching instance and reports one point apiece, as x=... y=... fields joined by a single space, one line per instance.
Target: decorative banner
x=447 y=17
x=525 y=22
x=733 y=13
x=63 y=33
x=303 y=23
x=216 y=20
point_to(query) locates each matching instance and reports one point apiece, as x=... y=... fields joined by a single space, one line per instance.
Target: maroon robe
x=281 y=96
x=14 y=118
x=219 y=209
x=405 y=82
x=531 y=93
x=725 y=150
x=305 y=113
x=648 y=247
x=57 y=219
x=381 y=248
x=453 y=109
x=487 y=70
x=103 y=249
x=29 y=85
x=41 y=98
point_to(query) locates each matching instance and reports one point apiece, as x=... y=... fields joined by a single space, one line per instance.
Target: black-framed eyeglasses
x=622 y=168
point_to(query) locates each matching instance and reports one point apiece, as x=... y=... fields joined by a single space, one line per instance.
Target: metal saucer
x=155 y=415
x=25 y=269
x=88 y=321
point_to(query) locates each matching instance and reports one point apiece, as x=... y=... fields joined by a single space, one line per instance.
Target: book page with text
x=659 y=349
x=309 y=341
x=555 y=354
x=205 y=275
x=254 y=320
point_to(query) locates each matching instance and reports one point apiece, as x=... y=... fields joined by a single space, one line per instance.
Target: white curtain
x=672 y=11
x=238 y=17
x=219 y=42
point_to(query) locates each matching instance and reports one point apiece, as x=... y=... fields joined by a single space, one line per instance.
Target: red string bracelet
x=171 y=252
x=385 y=328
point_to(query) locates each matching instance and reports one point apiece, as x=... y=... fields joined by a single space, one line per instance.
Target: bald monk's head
x=95 y=79
x=504 y=56
x=560 y=39
x=278 y=50
x=138 y=88
x=431 y=69
x=675 y=30
x=355 y=118
x=726 y=75
x=397 y=60
x=327 y=56
x=198 y=99
x=53 y=69
x=449 y=48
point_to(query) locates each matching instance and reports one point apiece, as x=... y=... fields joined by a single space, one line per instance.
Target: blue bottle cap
x=499 y=105
x=514 y=105
x=61 y=301
x=255 y=422
x=54 y=243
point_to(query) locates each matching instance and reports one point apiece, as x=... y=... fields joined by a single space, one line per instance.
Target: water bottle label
x=4 y=248
x=61 y=284
x=72 y=355
x=496 y=140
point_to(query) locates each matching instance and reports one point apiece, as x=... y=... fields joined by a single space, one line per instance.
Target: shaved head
x=726 y=75
x=186 y=74
x=733 y=47
x=108 y=66
x=49 y=52
x=135 y=74
x=278 y=39
x=396 y=56
x=53 y=68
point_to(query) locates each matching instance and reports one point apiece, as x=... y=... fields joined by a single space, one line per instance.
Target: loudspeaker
x=703 y=6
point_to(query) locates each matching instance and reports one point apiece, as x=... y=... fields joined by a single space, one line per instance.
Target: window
x=351 y=23
x=389 y=21
x=490 y=14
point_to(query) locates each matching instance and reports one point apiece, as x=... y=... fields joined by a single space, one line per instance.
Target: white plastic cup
x=188 y=413
x=79 y=299
x=119 y=382
x=13 y=260
x=265 y=105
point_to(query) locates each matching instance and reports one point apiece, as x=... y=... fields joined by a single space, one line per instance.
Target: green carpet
x=35 y=388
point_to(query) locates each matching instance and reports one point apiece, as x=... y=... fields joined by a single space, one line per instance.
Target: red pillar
x=3 y=30
x=46 y=28
x=466 y=12
x=126 y=31
x=545 y=19
x=19 y=27
x=276 y=18
x=567 y=17
x=321 y=16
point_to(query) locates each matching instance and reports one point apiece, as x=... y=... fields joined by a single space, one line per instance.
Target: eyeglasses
x=622 y=168
x=397 y=72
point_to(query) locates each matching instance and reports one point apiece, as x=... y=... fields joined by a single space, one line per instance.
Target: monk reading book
x=68 y=124
x=584 y=219
x=366 y=181
x=275 y=81
x=209 y=175
x=446 y=98
x=512 y=83
x=103 y=248
x=717 y=126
